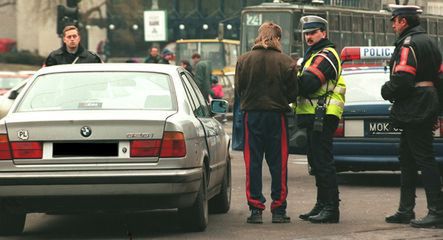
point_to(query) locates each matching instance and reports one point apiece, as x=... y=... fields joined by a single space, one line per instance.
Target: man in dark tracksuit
x=72 y=51
x=414 y=67
x=266 y=83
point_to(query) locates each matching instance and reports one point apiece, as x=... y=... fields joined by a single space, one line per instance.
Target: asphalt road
x=365 y=200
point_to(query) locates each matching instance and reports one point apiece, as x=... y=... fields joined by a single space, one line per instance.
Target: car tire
x=11 y=223
x=222 y=201
x=195 y=218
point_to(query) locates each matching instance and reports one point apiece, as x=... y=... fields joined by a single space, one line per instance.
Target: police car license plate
x=380 y=128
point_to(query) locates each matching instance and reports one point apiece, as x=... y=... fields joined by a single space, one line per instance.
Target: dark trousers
x=417 y=153
x=266 y=135
x=321 y=160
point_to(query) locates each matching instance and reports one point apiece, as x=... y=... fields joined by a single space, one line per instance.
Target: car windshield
x=98 y=90
x=9 y=82
x=364 y=86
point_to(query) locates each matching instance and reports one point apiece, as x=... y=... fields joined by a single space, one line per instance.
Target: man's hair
x=69 y=28
x=195 y=55
x=269 y=35
x=413 y=20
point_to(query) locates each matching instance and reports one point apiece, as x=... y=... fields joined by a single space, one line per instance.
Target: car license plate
x=380 y=128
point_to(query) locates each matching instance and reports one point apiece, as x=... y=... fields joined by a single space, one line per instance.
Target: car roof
x=111 y=67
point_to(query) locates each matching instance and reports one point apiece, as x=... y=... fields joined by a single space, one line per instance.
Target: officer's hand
x=436 y=125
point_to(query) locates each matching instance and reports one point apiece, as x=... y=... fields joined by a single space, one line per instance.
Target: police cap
x=404 y=10
x=311 y=23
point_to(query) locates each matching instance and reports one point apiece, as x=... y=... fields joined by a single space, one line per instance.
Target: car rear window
x=98 y=90
x=364 y=87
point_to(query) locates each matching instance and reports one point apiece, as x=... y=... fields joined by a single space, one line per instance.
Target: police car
x=365 y=138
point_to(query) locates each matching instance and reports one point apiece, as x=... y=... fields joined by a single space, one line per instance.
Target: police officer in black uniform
x=72 y=51
x=414 y=67
x=319 y=109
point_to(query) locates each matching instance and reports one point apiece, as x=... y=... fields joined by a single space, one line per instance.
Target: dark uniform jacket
x=156 y=59
x=265 y=80
x=62 y=56
x=416 y=59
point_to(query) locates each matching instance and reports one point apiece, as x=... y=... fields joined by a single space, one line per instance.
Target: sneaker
x=280 y=218
x=256 y=217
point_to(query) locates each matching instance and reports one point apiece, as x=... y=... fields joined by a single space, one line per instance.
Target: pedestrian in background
x=72 y=51
x=217 y=93
x=414 y=68
x=154 y=57
x=168 y=56
x=186 y=65
x=319 y=109
x=266 y=83
x=202 y=72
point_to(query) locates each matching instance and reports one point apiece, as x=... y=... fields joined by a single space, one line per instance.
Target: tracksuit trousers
x=266 y=136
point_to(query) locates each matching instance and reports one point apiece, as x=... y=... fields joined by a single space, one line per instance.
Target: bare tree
x=4 y=3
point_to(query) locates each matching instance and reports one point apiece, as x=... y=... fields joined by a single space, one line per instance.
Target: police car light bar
x=366 y=53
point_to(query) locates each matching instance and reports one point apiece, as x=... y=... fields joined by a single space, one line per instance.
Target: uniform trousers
x=417 y=153
x=321 y=159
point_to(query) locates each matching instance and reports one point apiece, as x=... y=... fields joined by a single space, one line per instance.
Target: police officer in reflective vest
x=319 y=108
x=414 y=68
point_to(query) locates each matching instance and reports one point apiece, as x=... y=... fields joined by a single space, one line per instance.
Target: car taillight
x=27 y=150
x=173 y=145
x=145 y=148
x=340 y=131
x=441 y=126
x=5 y=150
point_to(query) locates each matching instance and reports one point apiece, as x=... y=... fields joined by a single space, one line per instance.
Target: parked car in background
x=97 y=137
x=9 y=80
x=7 y=45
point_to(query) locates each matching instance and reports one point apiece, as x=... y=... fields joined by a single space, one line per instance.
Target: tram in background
x=222 y=53
x=347 y=26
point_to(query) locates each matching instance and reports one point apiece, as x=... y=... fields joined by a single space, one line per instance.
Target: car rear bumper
x=99 y=183
x=371 y=155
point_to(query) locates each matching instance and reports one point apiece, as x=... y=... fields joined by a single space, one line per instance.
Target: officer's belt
x=424 y=84
x=336 y=102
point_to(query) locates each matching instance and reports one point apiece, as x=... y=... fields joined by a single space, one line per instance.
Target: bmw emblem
x=85 y=131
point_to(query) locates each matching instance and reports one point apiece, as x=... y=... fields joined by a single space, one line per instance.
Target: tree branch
x=7 y=3
x=90 y=11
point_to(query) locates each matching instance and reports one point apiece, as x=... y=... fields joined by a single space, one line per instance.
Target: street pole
x=155 y=7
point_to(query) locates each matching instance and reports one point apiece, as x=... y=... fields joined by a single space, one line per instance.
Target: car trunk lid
x=94 y=137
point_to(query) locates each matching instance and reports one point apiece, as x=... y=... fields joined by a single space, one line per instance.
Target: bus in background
x=222 y=53
x=347 y=26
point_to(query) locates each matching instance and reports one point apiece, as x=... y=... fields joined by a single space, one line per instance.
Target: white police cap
x=311 y=23
x=404 y=10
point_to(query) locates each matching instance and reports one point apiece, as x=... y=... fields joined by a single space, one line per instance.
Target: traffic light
x=67 y=15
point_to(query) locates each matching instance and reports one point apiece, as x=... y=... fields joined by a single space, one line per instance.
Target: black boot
x=321 y=196
x=314 y=211
x=435 y=213
x=256 y=216
x=280 y=218
x=329 y=214
x=405 y=212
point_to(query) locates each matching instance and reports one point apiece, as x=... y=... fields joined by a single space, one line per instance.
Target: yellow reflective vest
x=336 y=98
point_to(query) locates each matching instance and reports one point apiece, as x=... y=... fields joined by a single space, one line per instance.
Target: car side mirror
x=13 y=94
x=219 y=106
